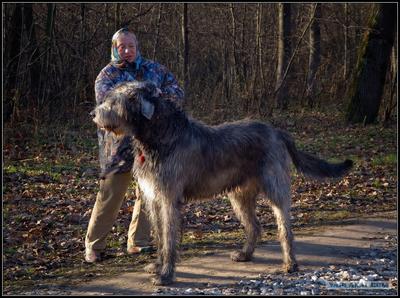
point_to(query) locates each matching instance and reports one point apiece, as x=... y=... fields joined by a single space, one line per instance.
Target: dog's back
x=215 y=159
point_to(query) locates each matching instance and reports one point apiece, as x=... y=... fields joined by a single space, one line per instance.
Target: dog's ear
x=149 y=88
x=146 y=108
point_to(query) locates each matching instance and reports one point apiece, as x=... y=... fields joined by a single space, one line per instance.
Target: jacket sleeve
x=102 y=85
x=112 y=150
x=171 y=89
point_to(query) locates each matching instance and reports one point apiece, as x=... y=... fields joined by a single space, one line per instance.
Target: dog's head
x=127 y=102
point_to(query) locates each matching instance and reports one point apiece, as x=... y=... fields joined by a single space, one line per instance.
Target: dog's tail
x=313 y=166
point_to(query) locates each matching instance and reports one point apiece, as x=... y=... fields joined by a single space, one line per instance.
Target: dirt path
x=330 y=245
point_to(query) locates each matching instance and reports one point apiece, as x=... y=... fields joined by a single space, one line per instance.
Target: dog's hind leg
x=244 y=205
x=277 y=189
x=285 y=237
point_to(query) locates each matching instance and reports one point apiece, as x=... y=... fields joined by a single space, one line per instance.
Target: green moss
x=332 y=215
x=113 y=243
x=385 y=160
x=35 y=168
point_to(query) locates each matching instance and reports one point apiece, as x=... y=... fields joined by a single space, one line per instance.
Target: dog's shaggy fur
x=179 y=159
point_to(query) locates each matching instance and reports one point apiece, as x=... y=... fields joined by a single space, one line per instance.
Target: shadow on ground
x=331 y=245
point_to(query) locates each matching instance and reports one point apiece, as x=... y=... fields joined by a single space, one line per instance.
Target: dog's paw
x=290 y=268
x=162 y=280
x=152 y=268
x=239 y=256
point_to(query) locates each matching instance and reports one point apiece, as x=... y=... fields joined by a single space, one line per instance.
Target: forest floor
x=360 y=252
x=50 y=184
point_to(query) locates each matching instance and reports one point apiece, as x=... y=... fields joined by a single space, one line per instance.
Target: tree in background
x=284 y=51
x=315 y=52
x=185 y=50
x=367 y=83
x=234 y=64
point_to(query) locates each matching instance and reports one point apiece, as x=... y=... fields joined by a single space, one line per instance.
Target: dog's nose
x=93 y=113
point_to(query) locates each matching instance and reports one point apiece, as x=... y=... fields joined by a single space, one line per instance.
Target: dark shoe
x=139 y=250
x=92 y=256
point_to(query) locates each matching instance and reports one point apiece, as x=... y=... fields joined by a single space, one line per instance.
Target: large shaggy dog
x=178 y=159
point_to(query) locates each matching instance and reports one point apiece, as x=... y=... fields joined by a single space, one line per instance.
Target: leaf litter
x=49 y=189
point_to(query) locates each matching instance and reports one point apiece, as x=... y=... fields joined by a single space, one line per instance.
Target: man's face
x=126 y=47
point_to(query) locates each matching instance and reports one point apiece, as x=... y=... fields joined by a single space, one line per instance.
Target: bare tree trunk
x=117 y=16
x=234 y=44
x=226 y=74
x=262 y=104
x=185 y=39
x=366 y=88
x=255 y=58
x=259 y=43
x=13 y=49
x=157 y=37
x=81 y=76
x=315 y=53
x=284 y=50
x=34 y=56
x=279 y=85
x=83 y=35
x=45 y=78
x=14 y=46
x=51 y=10
x=243 y=46
x=346 y=36
x=107 y=22
x=392 y=98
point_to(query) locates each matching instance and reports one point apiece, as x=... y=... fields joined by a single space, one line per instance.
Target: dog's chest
x=147 y=186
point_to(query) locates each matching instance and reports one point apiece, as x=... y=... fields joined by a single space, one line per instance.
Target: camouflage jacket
x=117 y=152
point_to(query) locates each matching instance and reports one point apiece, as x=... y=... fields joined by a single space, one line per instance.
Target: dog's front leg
x=155 y=218
x=171 y=231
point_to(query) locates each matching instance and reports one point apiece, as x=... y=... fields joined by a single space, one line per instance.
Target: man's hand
x=121 y=160
x=158 y=92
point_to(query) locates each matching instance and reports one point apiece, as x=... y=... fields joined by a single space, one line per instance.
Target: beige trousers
x=105 y=211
